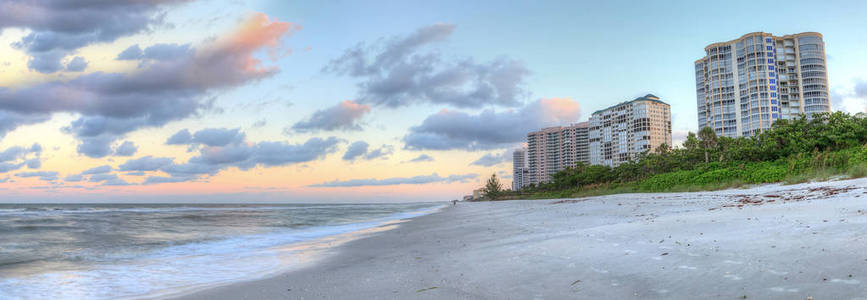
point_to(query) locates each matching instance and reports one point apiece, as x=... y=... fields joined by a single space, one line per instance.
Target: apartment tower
x=553 y=149
x=744 y=85
x=621 y=132
x=520 y=171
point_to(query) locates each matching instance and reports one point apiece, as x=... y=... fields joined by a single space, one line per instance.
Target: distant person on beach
x=454 y=202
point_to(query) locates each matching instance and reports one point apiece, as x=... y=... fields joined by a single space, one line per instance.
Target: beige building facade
x=553 y=149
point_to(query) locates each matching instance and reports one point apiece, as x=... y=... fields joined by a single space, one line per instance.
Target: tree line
x=792 y=149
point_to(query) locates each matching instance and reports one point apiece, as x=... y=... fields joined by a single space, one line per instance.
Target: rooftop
x=761 y=34
x=648 y=97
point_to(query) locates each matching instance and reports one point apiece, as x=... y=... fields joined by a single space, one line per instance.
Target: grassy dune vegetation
x=793 y=151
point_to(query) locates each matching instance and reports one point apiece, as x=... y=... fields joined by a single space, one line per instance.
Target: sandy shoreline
x=783 y=242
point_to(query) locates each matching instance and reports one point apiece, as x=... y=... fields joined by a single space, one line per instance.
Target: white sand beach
x=766 y=242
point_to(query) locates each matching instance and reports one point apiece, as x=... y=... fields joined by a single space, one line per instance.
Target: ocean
x=111 y=251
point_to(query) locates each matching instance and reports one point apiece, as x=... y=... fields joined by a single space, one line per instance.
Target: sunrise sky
x=344 y=101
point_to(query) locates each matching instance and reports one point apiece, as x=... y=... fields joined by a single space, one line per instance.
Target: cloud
x=16 y=157
x=421 y=179
x=422 y=158
x=77 y=64
x=213 y=137
x=381 y=152
x=853 y=101
x=11 y=120
x=260 y=123
x=19 y=152
x=355 y=150
x=9 y=167
x=127 y=148
x=164 y=179
x=108 y=179
x=97 y=170
x=133 y=52
x=113 y=104
x=360 y=149
x=489 y=160
x=155 y=52
x=58 y=28
x=115 y=182
x=861 y=89
x=74 y=178
x=398 y=72
x=343 y=116
x=218 y=136
x=100 y=177
x=447 y=129
x=147 y=163
x=33 y=163
x=46 y=62
x=245 y=156
x=95 y=147
x=43 y=175
x=182 y=137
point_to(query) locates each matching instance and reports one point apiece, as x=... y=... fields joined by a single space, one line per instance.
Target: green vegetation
x=793 y=151
x=493 y=189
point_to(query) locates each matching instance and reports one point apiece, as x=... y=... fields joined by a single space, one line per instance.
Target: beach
x=765 y=242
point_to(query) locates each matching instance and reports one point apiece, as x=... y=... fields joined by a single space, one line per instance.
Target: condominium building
x=744 y=85
x=621 y=132
x=520 y=171
x=553 y=149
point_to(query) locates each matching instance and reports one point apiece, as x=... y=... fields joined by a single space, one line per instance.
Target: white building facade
x=744 y=85
x=621 y=132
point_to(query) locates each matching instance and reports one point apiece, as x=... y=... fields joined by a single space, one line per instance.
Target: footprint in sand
x=733 y=277
x=846 y=281
x=599 y=270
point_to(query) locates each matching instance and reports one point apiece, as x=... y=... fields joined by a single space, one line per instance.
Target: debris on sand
x=830 y=191
x=427 y=289
x=567 y=201
x=821 y=192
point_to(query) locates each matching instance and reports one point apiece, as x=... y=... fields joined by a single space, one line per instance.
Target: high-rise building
x=744 y=85
x=621 y=132
x=520 y=172
x=553 y=149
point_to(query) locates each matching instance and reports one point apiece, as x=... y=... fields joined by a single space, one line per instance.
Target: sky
x=345 y=101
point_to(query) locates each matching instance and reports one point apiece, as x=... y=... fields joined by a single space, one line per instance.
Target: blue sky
x=596 y=52
x=497 y=62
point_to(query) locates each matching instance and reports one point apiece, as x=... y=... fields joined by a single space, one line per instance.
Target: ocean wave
x=171 y=267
